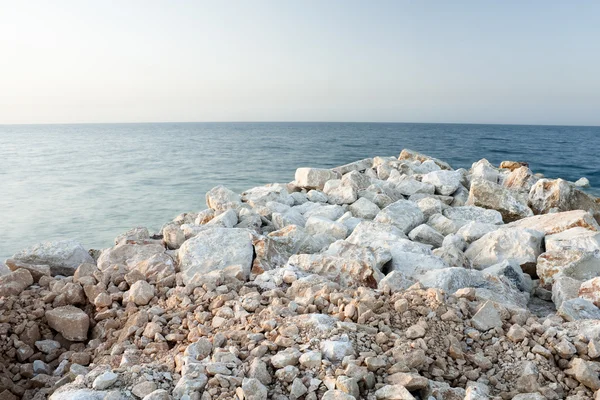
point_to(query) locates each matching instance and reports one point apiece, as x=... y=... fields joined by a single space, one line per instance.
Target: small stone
x=516 y=333
x=415 y=332
x=297 y=389
x=393 y=392
x=486 y=318
x=144 y=389
x=70 y=321
x=141 y=292
x=105 y=380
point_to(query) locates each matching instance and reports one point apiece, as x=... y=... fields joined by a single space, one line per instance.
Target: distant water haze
x=93 y=182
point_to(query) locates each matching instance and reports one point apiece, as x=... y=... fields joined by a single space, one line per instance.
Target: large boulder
x=63 y=257
x=590 y=290
x=573 y=263
x=511 y=204
x=520 y=179
x=484 y=170
x=464 y=214
x=557 y=222
x=215 y=249
x=403 y=214
x=521 y=246
x=69 y=321
x=559 y=195
x=359 y=165
x=314 y=178
x=220 y=198
x=574 y=238
x=128 y=255
x=15 y=282
x=408 y=186
x=445 y=182
x=261 y=195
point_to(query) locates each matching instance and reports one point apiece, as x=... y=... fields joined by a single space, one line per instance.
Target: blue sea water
x=94 y=181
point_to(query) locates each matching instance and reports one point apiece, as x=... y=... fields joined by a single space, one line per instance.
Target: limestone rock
x=253 y=389
x=465 y=214
x=105 y=380
x=70 y=321
x=586 y=372
x=574 y=238
x=564 y=288
x=576 y=309
x=128 y=255
x=215 y=249
x=410 y=155
x=393 y=392
x=320 y=225
x=336 y=350
x=364 y=208
x=574 y=264
x=403 y=214
x=359 y=165
x=36 y=270
x=557 y=222
x=314 y=178
x=512 y=205
x=141 y=292
x=558 y=195
x=220 y=198
x=445 y=182
x=486 y=318
x=63 y=257
x=426 y=234
x=521 y=246
x=474 y=230
x=590 y=290
x=520 y=179
x=78 y=394
x=483 y=170
x=15 y=282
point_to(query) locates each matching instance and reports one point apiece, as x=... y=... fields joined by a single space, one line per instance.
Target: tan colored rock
x=69 y=321
x=410 y=155
x=575 y=238
x=574 y=264
x=511 y=204
x=14 y=283
x=586 y=372
x=36 y=270
x=590 y=290
x=520 y=179
x=512 y=165
x=557 y=222
x=559 y=195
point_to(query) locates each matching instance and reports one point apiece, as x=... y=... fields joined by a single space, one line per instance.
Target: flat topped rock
x=69 y=321
x=557 y=222
x=411 y=155
x=63 y=257
x=314 y=178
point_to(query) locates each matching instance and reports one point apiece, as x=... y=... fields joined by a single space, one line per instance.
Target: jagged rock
x=427 y=235
x=36 y=270
x=513 y=272
x=70 y=321
x=336 y=350
x=253 y=389
x=557 y=222
x=128 y=255
x=445 y=182
x=410 y=155
x=140 y=293
x=486 y=318
x=576 y=309
x=173 y=236
x=334 y=394
x=105 y=380
x=521 y=179
x=340 y=194
x=261 y=195
x=408 y=186
x=403 y=214
x=220 y=198
x=574 y=238
x=558 y=195
x=215 y=249
x=359 y=165
x=393 y=392
x=586 y=372
x=590 y=290
x=320 y=225
x=465 y=214
x=77 y=394
x=442 y=224
x=63 y=257
x=331 y=212
x=364 y=208
x=512 y=205
x=15 y=282
x=314 y=178
x=475 y=230
x=430 y=206
x=483 y=170
x=521 y=246
x=564 y=288
x=574 y=264
x=139 y=235
x=452 y=256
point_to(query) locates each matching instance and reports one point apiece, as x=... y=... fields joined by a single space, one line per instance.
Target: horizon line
x=290 y=122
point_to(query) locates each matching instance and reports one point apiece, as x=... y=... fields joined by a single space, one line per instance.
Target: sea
x=92 y=182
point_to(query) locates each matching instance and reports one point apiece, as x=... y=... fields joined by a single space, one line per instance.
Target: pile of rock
x=387 y=278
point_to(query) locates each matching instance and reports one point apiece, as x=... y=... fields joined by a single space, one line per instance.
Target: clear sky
x=535 y=62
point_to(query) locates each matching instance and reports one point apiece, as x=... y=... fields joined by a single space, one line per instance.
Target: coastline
x=388 y=276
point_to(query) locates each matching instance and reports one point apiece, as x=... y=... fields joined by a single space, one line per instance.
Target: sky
x=514 y=62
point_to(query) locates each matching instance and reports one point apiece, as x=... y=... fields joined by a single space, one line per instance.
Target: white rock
x=128 y=255
x=341 y=195
x=408 y=186
x=359 y=165
x=577 y=309
x=558 y=195
x=141 y=292
x=445 y=182
x=486 y=318
x=316 y=196
x=511 y=204
x=105 y=380
x=465 y=214
x=574 y=264
x=63 y=257
x=574 y=238
x=393 y=392
x=290 y=217
x=364 y=208
x=65 y=393
x=430 y=206
x=564 y=288
x=474 y=230
x=557 y=222
x=314 y=178
x=215 y=249
x=521 y=246
x=482 y=169
x=582 y=182
x=261 y=195
x=227 y=219
x=320 y=225
x=331 y=212
x=253 y=389
x=336 y=350
x=426 y=234
x=220 y=198
x=410 y=155
x=403 y=214
x=442 y=224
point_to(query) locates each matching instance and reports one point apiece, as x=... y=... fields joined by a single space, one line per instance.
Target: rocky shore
x=391 y=278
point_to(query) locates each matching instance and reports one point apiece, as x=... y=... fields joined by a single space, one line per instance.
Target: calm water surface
x=92 y=182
